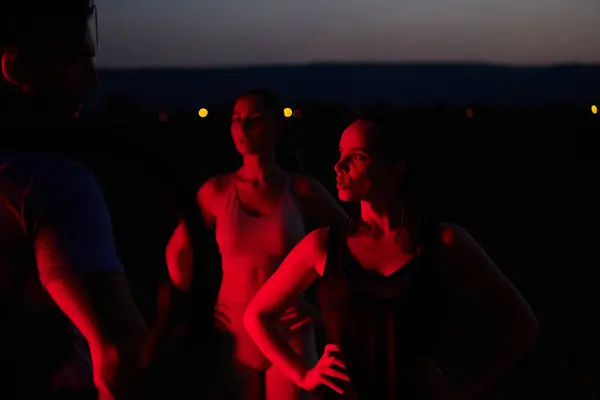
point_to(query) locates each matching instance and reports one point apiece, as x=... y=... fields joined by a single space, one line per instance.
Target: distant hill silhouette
x=356 y=84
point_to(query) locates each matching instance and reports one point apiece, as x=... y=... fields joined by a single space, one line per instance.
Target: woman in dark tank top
x=384 y=323
x=384 y=279
x=386 y=327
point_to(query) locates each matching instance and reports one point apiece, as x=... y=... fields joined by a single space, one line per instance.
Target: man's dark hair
x=33 y=24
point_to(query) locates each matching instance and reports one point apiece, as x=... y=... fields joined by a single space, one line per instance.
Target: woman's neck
x=260 y=168
x=383 y=214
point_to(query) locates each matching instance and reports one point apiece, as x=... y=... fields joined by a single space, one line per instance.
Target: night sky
x=188 y=33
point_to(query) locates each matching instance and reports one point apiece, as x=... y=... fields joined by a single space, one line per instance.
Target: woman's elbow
x=525 y=330
x=254 y=319
x=531 y=330
x=251 y=319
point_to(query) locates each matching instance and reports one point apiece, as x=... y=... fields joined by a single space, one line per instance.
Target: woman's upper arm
x=206 y=198
x=470 y=267
x=180 y=239
x=179 y=253
x=179 y=257
x=298 y=271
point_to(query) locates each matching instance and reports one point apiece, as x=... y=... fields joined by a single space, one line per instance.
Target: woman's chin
x=344 y=195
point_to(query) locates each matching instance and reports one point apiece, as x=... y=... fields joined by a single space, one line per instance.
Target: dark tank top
x=386 y=327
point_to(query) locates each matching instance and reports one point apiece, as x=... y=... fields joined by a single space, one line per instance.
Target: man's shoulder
x=44 y=168
x=38 y=161
x=46 y=179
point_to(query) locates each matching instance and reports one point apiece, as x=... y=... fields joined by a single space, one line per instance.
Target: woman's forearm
x=508 y=355
x=263 y=331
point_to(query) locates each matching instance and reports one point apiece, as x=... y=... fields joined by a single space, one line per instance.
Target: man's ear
x=10 y=66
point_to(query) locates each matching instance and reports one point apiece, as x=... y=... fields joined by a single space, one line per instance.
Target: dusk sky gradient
x=188 y=33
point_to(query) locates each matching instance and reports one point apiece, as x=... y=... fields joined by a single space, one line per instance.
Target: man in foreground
x=56 y=241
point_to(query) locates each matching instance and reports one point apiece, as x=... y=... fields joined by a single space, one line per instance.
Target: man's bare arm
x=70 y=227
x=102 y=308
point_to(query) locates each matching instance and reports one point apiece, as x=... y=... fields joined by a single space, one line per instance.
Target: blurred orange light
x=287 y=112
x=594 y=109
x=203 y=112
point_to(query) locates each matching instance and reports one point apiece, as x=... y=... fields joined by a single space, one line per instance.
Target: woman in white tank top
x=259 y=213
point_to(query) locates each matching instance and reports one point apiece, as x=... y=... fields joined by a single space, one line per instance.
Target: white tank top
x=256 y=246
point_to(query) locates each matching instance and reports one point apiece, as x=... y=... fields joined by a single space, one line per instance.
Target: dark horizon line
x=412 y=64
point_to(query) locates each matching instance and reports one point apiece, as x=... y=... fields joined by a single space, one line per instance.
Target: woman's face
x=362 y=173
x=254 y=128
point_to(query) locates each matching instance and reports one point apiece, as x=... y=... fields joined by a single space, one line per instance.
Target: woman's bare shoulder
x=305 y=185
x=316 y=245
x=452 y=234
x=214 y=187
